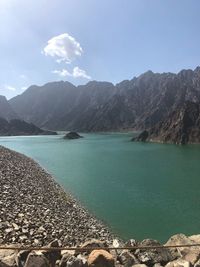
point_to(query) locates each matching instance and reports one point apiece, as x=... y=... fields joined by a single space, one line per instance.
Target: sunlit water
x=140 y=190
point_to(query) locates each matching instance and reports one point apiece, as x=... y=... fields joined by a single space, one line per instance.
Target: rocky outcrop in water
x=181 y=127
x=18 y=127
x=72 y=135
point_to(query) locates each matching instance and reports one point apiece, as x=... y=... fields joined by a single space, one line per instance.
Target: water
x=139 y=189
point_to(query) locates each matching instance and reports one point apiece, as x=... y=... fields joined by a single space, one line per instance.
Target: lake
x=140 y=190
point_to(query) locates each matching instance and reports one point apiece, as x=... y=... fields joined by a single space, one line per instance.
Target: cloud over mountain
x=64 y=47
x=76 y=73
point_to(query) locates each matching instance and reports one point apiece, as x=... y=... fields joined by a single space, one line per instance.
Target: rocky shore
x=35 y=211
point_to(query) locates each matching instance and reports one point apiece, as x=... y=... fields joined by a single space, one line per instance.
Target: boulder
x=21 y=257
x=36 y=259
x=93 y=243
x=100 y=258
x=152 y=256
x=52 y=256
x=127 y=259
x=72 y=261
x=178 y=263
x=72 y=135
x=139 y=265
x=8 y=257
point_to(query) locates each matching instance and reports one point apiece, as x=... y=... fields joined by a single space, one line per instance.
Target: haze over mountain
x=140 y=103
x=6 y=110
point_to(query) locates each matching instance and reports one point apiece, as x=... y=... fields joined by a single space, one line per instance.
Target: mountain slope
x=140 y=103
x=19 y=127
x=181 y=127
x=6 y=111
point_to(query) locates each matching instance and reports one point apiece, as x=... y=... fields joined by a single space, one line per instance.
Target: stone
x=72 y=261
x=139 y=265
x=181 y=239
x=52 y=256
x=152 y=256
x=7 y=257
x=21 y=257
x=127 y=259
x=100 y=258
x=178 y=263
x=36 y=260
x=93 y=243
x=197 y=264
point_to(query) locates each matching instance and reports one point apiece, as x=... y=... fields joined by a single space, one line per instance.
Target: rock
x=21 y=257
x=157 y=265
x=127 y=259
x=100 y=258
x=72 y=135
x=179 y=239
x=36 y=259
x=7 y=257
x=192 y=257
x=52 y=256
x=178 y=263
x=152 y=256
x=197 y=264
x=142 y=137
x=93 y=243
x=139 y=265
x=72 y=261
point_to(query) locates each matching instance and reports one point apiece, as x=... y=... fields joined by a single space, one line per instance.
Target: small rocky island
x=72 y=135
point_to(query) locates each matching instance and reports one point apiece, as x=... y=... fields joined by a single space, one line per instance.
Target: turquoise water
x=140 y=190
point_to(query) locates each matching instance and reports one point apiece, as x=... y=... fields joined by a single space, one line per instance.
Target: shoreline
x=35 y=211
x=57 y=213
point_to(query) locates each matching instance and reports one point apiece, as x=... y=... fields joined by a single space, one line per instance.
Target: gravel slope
x=34 y=209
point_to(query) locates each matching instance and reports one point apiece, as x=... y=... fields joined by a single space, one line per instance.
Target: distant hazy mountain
x=19 y=127
x=140 y=103
x=6 y=110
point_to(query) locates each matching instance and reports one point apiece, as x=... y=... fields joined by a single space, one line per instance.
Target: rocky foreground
x=35 y=211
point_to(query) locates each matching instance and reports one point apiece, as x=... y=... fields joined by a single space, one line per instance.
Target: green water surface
x=139 y=189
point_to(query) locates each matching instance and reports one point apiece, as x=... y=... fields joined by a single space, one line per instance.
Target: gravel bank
x=34 y=209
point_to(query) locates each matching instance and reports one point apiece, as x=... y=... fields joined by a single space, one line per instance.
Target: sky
x=105 y=40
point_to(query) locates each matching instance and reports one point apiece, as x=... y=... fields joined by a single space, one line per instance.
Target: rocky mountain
x=18 y=127
x=140 y=103
x=181 y=127
x=6 y=110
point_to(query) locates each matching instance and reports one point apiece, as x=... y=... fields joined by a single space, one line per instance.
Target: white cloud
x=11 y=88
x=76 y=73
x=24 y=88
x=62 y=72
x=64 y=47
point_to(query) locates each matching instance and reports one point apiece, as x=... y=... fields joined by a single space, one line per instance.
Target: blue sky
x=108 y=40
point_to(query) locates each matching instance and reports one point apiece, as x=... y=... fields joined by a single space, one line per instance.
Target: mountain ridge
x=139 y=103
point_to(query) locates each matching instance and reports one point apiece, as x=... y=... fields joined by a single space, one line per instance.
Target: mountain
x=19 y=127
x=6 y=110
x=140 y=103
x=181 y=127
